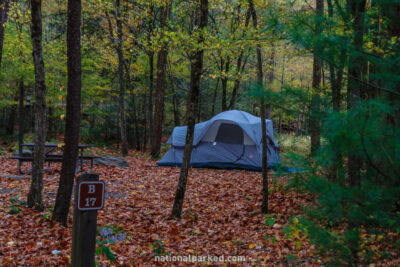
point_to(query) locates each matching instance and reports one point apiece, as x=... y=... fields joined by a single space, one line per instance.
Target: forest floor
x=221 y=217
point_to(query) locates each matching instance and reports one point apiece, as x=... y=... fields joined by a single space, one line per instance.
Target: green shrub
x=345 y=216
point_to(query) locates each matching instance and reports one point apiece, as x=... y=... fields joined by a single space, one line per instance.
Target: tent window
x=230 y=134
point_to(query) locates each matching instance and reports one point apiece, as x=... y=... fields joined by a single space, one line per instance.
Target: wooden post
x=84 y=228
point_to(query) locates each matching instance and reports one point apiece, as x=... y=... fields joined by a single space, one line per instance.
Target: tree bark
x=11 y=116
x=4 y=6
x=336 y=79
x=71 y=138
x=175 y=104
x=150 y=104
x=35 y=193
x=21 y=117
x=195 y=76
x=271 y=76
x=214 y=98
x=264 y=164
x=355 y=91
x=316 y=81
x=160 y=88
x=238 y=75
x=224 y=82
x=356 y=63
x=121 y=62
x=281 y=89
x=239 y=67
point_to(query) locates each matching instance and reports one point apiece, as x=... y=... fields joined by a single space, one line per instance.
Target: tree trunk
x=121 y=62
x=354 y=91
x=51 y=122
x=160 y=88
x=144 y=125
x=238 y=75
x=199 y=107
x=316 y=81
x=224 y=81
x=12 y=116
x=4 y=6
x=135 y=111
x=21 y=119
x=35 y=193
x=195 y=76
x=264 y=164
x=150 y=104
x=271 y=76
x=71 y=137
x=281 y=89
x=214 y=98
x=175 y=103
x=336 y=78
x=239 y=67
x=357 y=10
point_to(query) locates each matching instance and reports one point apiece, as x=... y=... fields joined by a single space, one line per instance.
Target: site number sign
x=90 y=195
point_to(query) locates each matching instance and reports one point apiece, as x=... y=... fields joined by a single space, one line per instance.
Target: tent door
x=230 y=134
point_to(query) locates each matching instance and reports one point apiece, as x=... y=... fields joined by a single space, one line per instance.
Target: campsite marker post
x=88 y=198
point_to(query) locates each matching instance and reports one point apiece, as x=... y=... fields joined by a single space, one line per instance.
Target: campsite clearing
x=221 y=216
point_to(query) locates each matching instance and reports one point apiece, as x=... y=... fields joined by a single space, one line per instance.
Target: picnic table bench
x=51 y=155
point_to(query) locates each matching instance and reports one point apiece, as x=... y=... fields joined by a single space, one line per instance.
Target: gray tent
x=230 y=140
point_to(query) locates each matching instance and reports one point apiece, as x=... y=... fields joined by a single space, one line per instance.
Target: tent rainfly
x=230 y=140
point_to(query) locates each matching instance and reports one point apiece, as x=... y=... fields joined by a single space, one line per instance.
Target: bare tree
x=73 y=117
x=316 y=81
x=121 y=62
x=264 y=164
x=355 y=85
x=195 y=76
x=35 y=193
x=160 y=87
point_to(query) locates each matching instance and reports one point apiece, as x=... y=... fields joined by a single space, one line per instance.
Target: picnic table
x=54 y=153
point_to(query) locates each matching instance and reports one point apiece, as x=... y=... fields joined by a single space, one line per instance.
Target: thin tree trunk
x=264 y=164
x=175 y=104
x=51 y=131
x=298 y=124
x=160 y=88
x=21 y=119
x=281 y=89
x=11 y=116
x=136 y=123
x=195 y=76
x=357 y=9
x=150 y=104
x=271 y=76
x=199 y=107
x=355 y=90
x=239 y=68
x=4 y=6
x=316 y=82
x=224 y=81
x=121 y=62
x=135 y=111
x=35 y=193
x=214 y=98
x=144 y=125
x=71 y=137
x=336 y=77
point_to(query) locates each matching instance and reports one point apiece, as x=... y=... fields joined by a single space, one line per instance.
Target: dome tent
x=230 y=140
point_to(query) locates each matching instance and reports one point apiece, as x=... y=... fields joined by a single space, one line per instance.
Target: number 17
x=90 y=201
